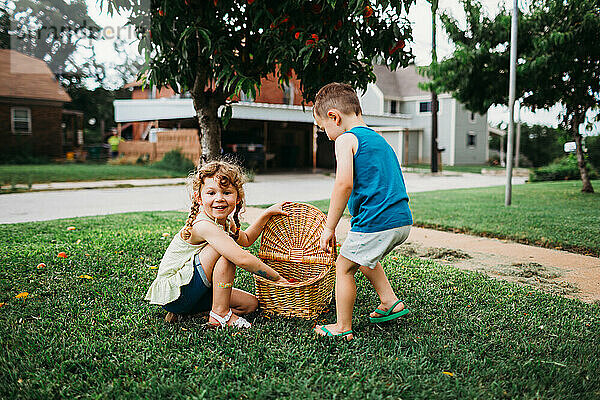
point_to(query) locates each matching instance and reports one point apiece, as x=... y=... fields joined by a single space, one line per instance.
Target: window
x=471 y=139
x=21 y=120
x=425 y=107
x=393 y=107
x=472 y=116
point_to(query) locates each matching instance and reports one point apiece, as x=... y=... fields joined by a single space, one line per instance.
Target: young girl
x=197 y=271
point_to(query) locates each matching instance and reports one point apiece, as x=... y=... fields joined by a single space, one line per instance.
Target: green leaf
x=226 y=114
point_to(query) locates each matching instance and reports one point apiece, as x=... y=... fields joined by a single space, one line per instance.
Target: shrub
x=592 y=143
x=123 y=160
x=22 y=158
x=563 y=169
x=494 y=159
x=175 y=161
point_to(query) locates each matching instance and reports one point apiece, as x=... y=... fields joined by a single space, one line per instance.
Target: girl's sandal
x=239 y=323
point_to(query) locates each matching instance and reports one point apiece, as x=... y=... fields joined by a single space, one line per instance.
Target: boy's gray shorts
x=366 y=249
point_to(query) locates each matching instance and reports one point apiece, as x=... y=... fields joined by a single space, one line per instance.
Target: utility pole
x=512 y=88
x=518 y=136
x=434 y=100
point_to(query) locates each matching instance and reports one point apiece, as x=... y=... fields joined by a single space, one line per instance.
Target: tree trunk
x=207 y=106
x=206 y=103
x=585 y=178
x=207 y=100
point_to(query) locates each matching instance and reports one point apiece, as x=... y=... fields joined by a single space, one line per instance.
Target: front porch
x=270 y=136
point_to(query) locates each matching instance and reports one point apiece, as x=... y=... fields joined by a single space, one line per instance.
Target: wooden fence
x=186 y=140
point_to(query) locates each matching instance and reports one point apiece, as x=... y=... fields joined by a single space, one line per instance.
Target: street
x=54 y=204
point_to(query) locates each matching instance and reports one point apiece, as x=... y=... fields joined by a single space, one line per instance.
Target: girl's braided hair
x=225 y=173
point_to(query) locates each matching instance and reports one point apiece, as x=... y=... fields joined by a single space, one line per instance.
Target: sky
x=419 y=16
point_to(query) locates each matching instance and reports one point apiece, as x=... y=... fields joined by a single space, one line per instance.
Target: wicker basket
x=290 y=245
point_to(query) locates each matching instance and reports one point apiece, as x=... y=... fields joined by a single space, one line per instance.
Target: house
x=276 y=123
x=274 y=128
x=32 y=119
x=462 y=134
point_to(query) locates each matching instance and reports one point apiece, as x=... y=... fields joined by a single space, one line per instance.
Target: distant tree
x=542 y=144
x=52 y=31
x=558 y=55
x=563 y=65
x=220 y=48
x=97 y=107
x=4 y=29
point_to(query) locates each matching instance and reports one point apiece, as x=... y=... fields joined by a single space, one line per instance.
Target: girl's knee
x=253 y=304
x=225 y=263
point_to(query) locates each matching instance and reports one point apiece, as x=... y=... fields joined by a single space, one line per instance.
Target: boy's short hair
x=339 y=96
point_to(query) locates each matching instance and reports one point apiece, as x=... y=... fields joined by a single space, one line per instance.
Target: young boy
x=368 y=178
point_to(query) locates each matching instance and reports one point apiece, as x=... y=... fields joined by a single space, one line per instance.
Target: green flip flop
x=389 y=315
x=329 y=333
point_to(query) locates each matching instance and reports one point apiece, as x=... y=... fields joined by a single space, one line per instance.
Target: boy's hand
x=277 y=209
x=327 y=239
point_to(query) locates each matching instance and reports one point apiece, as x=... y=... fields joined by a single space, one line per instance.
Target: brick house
x=274 y=126
x=31 y=109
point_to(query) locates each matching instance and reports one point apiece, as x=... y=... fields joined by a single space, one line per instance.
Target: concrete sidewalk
x=106 y=184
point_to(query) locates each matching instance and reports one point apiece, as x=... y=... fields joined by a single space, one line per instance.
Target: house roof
x=164 y=108
x=27 y=77
x=400 y=83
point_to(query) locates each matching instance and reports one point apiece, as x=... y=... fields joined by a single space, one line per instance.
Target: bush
x=92 y=136
x=563 y=169
x=175 y=161
x=124 y=160
x=592 y=143
x=494 y=159
x=23 y=159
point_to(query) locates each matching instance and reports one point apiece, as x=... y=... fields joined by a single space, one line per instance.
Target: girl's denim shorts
x=196 y=296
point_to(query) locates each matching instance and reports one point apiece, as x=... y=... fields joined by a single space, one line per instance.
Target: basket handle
x=296 y=255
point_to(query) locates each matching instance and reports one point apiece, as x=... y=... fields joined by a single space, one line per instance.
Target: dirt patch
x=533 y=270
x=433 y=253
x=545 y=278
x=549 y=279
x=441 y=253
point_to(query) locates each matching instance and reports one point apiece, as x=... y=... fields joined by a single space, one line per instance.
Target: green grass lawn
x=468 y=337
x=25 y=174
x=549 y=214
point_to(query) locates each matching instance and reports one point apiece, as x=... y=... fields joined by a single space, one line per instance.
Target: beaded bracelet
x=224 y=285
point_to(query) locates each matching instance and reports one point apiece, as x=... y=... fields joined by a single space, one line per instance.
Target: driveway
x=53 y=204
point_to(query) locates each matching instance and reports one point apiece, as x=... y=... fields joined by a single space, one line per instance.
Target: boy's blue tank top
x=378 y=200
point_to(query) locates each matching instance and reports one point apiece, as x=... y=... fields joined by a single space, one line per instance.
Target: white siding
x=372 y=101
